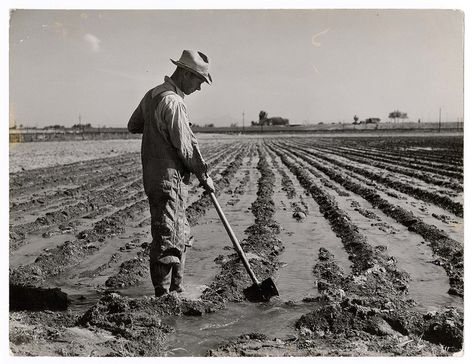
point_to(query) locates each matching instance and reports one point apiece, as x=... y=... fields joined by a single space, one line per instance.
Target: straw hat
x=196 y=62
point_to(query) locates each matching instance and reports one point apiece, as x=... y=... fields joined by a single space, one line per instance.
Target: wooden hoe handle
x=233 y=238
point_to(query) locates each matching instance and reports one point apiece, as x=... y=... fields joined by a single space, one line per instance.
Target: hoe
x=259 y=291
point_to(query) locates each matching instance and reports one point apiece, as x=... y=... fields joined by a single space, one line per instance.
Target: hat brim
x=182 y=65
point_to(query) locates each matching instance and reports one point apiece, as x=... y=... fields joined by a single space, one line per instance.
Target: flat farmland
x=363 y=236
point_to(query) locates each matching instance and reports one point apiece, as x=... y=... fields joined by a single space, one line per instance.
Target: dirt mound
x=133 y=271
x=373 y=302
x=35 y=298
x=445 y=328
x=140 y=320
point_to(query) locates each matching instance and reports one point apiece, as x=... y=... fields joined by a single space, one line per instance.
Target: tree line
x=394 y=115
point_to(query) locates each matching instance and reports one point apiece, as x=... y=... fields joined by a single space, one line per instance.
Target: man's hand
x=207 y=183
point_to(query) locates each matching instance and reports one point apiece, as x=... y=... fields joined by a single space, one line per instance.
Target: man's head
x=192 y=70
x=187 y=81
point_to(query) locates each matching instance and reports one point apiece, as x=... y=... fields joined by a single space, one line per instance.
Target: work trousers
x=168 y=277
x=171 y=235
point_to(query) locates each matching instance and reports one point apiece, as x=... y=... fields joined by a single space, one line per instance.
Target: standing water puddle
x=194 y=336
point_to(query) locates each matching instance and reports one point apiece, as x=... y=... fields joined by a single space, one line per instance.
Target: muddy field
x=362 y=235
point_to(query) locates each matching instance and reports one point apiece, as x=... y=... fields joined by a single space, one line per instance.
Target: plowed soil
x=363 y=237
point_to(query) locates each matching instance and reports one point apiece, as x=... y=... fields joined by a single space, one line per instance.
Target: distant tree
x=55 y=127
x=320 y=123
x=254 y=123
x=356 y=118
x=263 y=115
x=211 y=125
x=396 y=114
x=403 y=115
x=234 y=125
x=81 y=126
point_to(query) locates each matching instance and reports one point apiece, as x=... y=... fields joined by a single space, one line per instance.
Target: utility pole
x=440 y=118
x=80 y=127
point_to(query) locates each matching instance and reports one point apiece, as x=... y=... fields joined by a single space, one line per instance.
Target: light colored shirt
x=171 y=122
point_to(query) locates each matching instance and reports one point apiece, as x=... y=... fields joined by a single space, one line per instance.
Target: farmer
x=169 y=154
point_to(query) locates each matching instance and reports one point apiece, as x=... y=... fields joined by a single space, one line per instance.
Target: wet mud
x=450 y=252
x=360 y=314
x=359 y=304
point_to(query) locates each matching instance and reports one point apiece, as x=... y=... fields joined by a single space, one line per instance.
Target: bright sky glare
x=305 y=65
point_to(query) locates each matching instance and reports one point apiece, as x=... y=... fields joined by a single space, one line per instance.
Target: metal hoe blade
x=261 y=292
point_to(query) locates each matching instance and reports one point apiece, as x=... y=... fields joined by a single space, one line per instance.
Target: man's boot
x=160 y=291
x=161 y=277
x=177 y=274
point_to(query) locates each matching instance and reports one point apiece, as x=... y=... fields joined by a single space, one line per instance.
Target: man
x=169 y=153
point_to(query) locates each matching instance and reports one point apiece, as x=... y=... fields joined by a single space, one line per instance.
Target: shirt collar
x=174 y=86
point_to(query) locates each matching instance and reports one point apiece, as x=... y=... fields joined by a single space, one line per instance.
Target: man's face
x=192 y=84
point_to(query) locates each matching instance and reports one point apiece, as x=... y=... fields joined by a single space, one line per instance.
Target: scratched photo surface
x=305 y=177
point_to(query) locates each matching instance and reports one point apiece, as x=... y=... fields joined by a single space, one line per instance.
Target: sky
x=308 y=66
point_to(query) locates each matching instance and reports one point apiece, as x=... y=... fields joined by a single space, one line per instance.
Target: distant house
x=372 y=121
x=276 y=120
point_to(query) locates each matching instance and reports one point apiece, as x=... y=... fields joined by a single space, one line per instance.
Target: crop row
x=432 y=197
x=96 y=201
x=448 y=249
x=445 y=169
x=372 y=299
x=360 y=252
x=89 y=241
x=445 y=150
x=375 y=148
x=261 y=241
x=420 y=173
x=69 y=174
x=78 y=181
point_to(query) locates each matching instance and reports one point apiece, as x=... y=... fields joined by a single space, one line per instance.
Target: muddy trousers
x=170 y=231
x=164 y=275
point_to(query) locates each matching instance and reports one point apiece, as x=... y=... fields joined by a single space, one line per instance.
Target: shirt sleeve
x=183 y=139
x=136 y=122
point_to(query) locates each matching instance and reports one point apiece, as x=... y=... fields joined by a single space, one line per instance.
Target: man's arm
x=183 y=139
x=136 y=122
